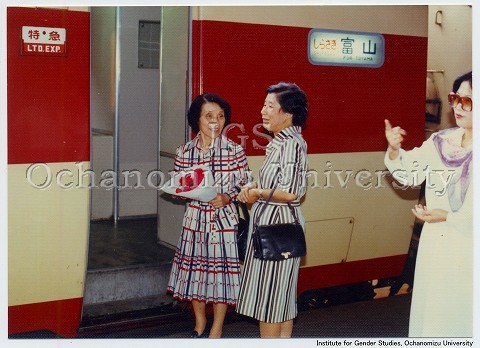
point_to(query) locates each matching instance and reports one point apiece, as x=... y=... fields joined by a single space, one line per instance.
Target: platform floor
x=385 y=317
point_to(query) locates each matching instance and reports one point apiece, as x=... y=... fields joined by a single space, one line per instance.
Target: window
x=148 y=44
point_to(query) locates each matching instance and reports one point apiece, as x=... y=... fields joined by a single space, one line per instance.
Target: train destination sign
x=348 y=48
x=43 y=41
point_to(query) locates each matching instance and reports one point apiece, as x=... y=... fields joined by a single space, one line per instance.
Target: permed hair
x=194 y=112
x=292 y=100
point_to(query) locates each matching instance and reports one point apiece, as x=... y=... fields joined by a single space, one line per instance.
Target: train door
x=174 y=100
x=125 y=99
x=125 y=262
x=138 y=110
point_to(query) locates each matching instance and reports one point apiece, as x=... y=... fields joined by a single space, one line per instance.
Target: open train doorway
x=137 y=76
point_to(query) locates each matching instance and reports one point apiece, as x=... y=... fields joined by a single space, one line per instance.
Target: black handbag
x=278 y=241
x=242 y=231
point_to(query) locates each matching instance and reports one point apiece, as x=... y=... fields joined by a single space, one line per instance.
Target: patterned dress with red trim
x=206 y=265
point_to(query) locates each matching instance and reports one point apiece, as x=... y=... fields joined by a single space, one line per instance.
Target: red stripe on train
x=347 y=105
x=350 y=272
x=61 y=317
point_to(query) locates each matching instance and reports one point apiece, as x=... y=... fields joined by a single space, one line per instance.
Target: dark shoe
x=196 y=335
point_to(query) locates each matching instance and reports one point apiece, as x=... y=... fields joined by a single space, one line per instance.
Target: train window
x=148 y=44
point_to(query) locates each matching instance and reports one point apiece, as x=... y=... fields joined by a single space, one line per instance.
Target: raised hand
x=394 y=135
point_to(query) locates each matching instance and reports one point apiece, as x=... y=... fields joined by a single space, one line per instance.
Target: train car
x=350 y=237
x=355 y=69
x=354 y=73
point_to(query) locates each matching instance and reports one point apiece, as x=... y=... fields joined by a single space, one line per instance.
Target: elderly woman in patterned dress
x=206 y=267
x=268 y=288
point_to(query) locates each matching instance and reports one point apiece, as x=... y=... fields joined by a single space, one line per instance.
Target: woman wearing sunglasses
x=442 y=298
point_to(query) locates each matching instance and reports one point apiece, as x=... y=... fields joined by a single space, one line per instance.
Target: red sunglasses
x=466 y=102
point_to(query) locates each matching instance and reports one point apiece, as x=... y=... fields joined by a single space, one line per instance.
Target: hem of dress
x=268 y=322
x=190 y=299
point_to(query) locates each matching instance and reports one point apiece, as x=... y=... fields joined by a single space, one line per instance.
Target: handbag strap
x=265 y=207
x=244 y=208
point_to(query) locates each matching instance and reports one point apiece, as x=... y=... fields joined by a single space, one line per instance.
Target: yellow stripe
x=47 y=233
x=357 y=18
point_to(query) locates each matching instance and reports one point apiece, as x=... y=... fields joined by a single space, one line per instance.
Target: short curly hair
x=195 y=110
x=292 y=100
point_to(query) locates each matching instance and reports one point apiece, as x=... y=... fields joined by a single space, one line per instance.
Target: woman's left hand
x=249 y=193
x=220 y=200
x=434 y=215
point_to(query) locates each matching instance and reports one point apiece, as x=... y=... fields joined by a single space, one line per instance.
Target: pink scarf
x=454 y=156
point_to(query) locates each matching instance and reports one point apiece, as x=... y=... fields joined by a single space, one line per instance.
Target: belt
x=293 y=204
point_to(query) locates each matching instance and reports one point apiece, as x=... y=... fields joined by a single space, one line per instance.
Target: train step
x=128 y=295
x=136 y=312
x=126 y=282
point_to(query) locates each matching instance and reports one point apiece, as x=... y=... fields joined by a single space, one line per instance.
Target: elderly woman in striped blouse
x=268 y=288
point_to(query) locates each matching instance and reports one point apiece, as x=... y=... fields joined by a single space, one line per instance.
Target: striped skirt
x=268 y=290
